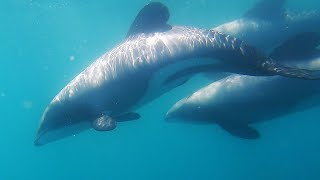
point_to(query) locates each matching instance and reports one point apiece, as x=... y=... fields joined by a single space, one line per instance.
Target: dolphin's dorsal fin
x=300 y=46
x=272 y=10
x=151 y=18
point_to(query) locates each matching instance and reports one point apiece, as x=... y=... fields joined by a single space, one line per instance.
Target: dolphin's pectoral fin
x=175 y=82
x=151 y=18
x=187 y=73
x=297 y=47
x=267 y=10
x=104 y=123
x=212 y=76
x=127 y=117
x=241 y=130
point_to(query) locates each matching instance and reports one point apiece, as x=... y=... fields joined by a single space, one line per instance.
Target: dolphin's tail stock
x=291 y=72
x=231 y=48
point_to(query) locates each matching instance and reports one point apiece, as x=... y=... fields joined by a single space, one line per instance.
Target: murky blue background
x=45 y=43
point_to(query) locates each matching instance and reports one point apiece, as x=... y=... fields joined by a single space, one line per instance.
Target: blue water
x=45 y=43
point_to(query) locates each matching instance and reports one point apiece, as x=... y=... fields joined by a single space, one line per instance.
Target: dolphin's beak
x=38 y=140
x=55 y=126
x=168 y=116
x=177 y=111
x=171 y=114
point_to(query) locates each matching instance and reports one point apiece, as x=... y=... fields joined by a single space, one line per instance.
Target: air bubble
x=27 y=104
x=71 y=58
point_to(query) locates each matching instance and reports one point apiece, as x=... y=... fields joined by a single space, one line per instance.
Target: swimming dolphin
x=144 y=66
x=268 y=24
x=237 y=101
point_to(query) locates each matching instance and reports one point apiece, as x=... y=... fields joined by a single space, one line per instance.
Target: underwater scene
x=167 y=89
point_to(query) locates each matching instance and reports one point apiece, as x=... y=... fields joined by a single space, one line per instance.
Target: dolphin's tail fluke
x=291 y=72
x=230 y=48
x=298 y=48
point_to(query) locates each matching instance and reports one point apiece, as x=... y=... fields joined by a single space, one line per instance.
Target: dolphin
x=237 y=101
x=268 y=24
x=143 y=67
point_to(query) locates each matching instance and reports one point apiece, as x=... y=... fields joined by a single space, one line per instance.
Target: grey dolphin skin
x=136 y=71
x=237 y=101
x=267 y=30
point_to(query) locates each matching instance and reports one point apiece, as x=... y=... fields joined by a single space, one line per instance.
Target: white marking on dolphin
x=137 y=71
x=237 y=101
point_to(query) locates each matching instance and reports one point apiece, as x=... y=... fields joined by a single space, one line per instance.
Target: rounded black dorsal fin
x=271 y=10
x=151 y=18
